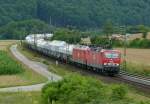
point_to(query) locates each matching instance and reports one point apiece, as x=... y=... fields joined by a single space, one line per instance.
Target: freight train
x=95 y=58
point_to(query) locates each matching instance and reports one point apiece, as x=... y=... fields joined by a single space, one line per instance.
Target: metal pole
x=50 y=20
x=20 y=40
x=110 y=42
x=123 y=31
x=35 y=41
x=66 y=52
x=125 y=51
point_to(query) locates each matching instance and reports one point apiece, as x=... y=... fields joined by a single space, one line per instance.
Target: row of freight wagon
x=96 y=58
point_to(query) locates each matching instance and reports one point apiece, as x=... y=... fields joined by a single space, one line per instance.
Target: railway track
x=135 y=78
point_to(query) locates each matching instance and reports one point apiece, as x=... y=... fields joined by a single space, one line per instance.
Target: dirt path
x=37 y=67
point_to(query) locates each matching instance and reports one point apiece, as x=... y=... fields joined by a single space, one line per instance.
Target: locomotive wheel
x=111 y=74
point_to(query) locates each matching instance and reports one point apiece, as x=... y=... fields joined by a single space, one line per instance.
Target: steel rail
x=135 y=78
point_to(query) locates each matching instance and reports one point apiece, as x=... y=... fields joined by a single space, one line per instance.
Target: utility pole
x=125 y=51
x=35 y=37
x=67 y=50
x=50 y=21
x=123 y=32
x=35 y=40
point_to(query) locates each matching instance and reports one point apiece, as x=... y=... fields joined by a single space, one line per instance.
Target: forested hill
x=13 y=10
x=80 y=13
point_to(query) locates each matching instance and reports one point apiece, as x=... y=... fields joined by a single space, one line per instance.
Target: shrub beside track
x=8 y=66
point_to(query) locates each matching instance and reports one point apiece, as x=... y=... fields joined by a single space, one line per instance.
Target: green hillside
x=78 y=13
x=14 y=10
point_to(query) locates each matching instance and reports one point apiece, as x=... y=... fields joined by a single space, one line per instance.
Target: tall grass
x=9 y=66
x=21 y=98
x=140 y=69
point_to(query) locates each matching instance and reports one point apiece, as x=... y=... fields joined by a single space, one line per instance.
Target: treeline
x=136 y=43
x=70 y=35
x=103 y=37
x=18 y=30
x=98 y=41
x=81 y=14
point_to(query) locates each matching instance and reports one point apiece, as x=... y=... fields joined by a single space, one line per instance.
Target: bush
x=99 y=40
x=145 y=43
x=140 y=43
x=8 y=66
x=69 y=35
x=134 y=43
x=74 y=89
x=119 y=92
x=117 y=43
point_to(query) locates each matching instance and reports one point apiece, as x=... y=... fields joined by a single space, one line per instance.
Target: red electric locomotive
x=99 y=59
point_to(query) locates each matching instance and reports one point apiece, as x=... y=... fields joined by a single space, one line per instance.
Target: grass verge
x=139 y=69
x=20 y=98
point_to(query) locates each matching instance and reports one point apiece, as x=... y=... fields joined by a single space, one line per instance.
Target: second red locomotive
x=101 y=60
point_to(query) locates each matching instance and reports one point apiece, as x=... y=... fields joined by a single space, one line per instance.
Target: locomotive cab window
x=112 y=55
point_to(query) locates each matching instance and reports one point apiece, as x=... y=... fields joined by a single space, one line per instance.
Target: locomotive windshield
x=112 y=55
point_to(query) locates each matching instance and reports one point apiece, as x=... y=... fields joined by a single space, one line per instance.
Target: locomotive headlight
x=105 y=63
x=110 y=64
x=117 y=64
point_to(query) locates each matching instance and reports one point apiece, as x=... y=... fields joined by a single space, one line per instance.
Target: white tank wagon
x=41 y=36
x=56 y=45
x=56 y=48
x=67 y=49
x=41 y=43
x=38 y=36
x=51 y=48
x=29 y=39
x=37 y=40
